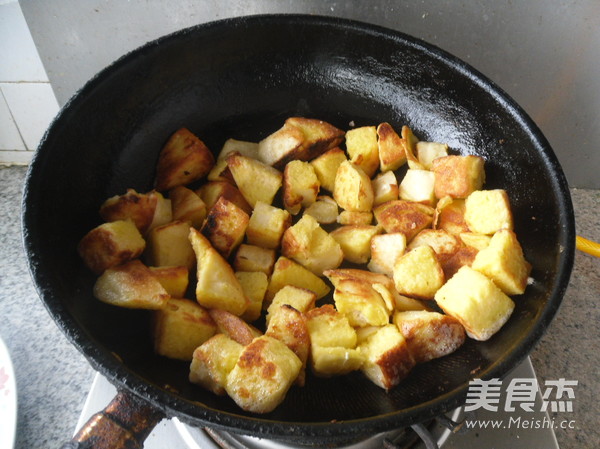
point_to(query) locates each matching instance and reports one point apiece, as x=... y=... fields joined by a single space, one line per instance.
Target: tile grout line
x=14 y=121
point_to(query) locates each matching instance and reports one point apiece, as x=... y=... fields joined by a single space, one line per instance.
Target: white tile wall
x=27 y=102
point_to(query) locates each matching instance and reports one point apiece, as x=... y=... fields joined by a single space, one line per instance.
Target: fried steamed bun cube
x=225 y=226
x=450 y=216
x=213 y=190
x=300 y=299
x=299 y=138
x=324 y=210
x=233 y=326
x=458 y=176
x=355 y=218
x=111 y=244
x=442 y=242
x=326 y=166
x=180 y=327
x=504 y=263
x=255 y=180
x=254 y=284
x=213 y=360
x=131 y=285
x=311 y=246
x=267 y=225
x=361 y=303
x=362 y=147
x=488 y=211
x=355 y=241
x=288 y=272
x=387 y=358
x=418 y=186
x=163 y=213
x=263 y=374
x=391 y=148
x=353 y=190
x=254 y=258
x=217 y=287
x=332 y=342
x=418 y=273
x=183 y=159
x=427 y=152
x=175 y=280
x=300 y=186
x=429 y=334
x=220 y=172
x=288 y=325
x=187 y=206
x=168 y=245
x=385 y=188
x=134 y=206
x=406 y=217
x=476 y=302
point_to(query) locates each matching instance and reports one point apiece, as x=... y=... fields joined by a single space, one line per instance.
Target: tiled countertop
x=53 y=379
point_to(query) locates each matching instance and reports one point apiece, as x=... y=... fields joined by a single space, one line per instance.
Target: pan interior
x=241 y=78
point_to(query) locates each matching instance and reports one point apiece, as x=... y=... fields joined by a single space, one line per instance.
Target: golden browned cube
x=391 y=148
x=254 y=284
x=300 y=299
x=429 y=334
x=300 y=186
x=263 y=374
x=183 y=159
x=213 y=361
x=256 y=181
x=387 y=357
x=476 y=302
x=254 y=258
x=355 y=242
x=168 y=245
x=318 y=136
x=385 y=188
x=406 y=217
x=131 y=285
x=187 y=206
x=233 y=326
x=361 y=303
x=504 y=263
x=134 y=206
x=267 y=225
x=163 y=213
x=458 y=176
x=111 y=244
x=349 y=217
x=216 y=287
x=418 y=273
x=326 y=166
x=175 y=280
x=450 y=216
x=180 y=327
x=213 y=190
x=288 y=272
x=353 y=190
x=488 y=211
x=363 y=149
x=281 y=146
x=225 y=226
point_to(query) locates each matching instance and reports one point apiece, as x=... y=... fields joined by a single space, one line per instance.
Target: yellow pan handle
x=587 y=246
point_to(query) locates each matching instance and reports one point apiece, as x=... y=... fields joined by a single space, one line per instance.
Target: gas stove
x=491 y=429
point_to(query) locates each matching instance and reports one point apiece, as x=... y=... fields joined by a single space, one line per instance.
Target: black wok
x=241 y=78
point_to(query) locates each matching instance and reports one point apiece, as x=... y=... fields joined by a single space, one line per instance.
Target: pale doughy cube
x=326 y=167
x=175 y=280
x=282 y=146
x=458 y=176
x=488 y=211
x=504 y=263
x=300 y=186
x=387 y=357
x=324 y=210
x=213 y=361
x=355 y=242
x=385 y=188
x=334 y=361
x=353 y=190
x=429 y=334
x=311 y=246
x=180 y=327
x=428 y=151
x=247 y=172
x=131 y=285
x=267 y=225
x=168 y=245
x=477 y=241
x=263 y=374
x=362 y=147
x=476 y=302
x=329 y=328
x=417 y=185
x=418 y=273
x=385 y=250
